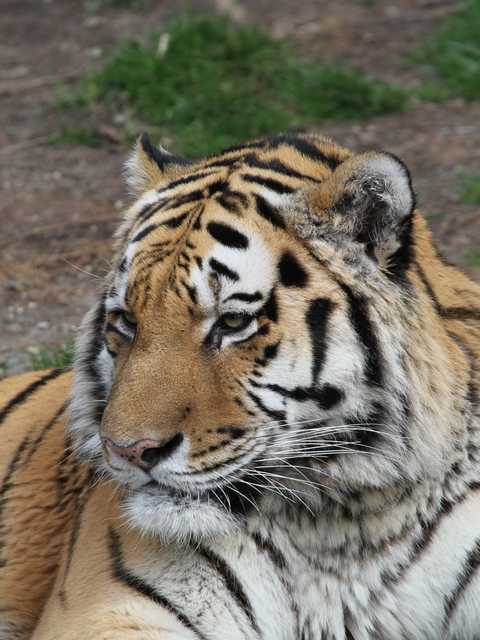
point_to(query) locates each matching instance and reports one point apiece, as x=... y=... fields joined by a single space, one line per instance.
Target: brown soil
x=60 y=204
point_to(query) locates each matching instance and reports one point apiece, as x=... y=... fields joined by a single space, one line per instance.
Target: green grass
x=472 y=258
x=452 y=56
x=470 y=190
x=217 y=84
x=51 y=357
x=76 y=136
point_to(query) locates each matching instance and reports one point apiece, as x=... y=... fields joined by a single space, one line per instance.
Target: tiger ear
x=369 y=199
x=148 y=165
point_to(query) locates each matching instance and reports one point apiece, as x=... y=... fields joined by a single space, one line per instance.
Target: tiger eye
x=129 y=317
x=234 y=321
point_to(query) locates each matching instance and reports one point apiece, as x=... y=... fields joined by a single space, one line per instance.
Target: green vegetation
x=470 y=190
x=208 y=84
x=453 y=56
x=51 y=357
x=76 y=136
x=472 y=258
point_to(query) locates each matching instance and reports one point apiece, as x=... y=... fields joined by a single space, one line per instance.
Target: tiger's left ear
x=368 y=199
x=149 y=165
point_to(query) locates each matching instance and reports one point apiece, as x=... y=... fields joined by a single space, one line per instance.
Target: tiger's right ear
x=148 y=165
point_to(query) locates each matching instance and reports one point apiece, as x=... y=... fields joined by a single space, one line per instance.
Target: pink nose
x=147 y=453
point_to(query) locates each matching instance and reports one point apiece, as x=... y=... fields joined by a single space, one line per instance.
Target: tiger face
x=251 y=341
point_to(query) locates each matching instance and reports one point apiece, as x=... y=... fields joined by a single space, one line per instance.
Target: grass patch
x=472 y=258
x=52 y=357
x=453 y=56
x=208 y=84
x=434 y=216
x=470 y=190
x=76 y=136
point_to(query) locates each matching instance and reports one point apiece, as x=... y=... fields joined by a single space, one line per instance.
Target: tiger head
x=261 y=337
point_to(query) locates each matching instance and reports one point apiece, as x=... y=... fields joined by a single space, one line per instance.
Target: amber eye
x=128 y=319
x=234 y=321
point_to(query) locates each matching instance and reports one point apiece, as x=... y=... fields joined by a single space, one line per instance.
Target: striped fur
x=279 y=321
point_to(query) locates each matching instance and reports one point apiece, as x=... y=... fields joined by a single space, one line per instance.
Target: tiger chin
x=272 y=427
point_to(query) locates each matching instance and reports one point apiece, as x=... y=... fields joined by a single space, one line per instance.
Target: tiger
x=272 y=426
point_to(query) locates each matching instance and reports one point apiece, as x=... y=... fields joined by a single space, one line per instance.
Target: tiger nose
x=147 y=453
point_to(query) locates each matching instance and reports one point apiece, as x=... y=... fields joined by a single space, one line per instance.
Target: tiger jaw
x=178 y=517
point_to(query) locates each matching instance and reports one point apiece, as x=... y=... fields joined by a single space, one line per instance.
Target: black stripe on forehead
x=268 y=212
x=277 y=166
x=227 y=235
x=269 y=183
x=187 y=179
x=223 y=270
x=245 y=297
x=306 y=148
x=171 y=223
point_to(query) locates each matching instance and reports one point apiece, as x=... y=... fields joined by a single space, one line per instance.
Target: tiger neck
x=341 y=536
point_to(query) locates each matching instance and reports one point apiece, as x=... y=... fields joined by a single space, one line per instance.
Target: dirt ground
x=60 y=204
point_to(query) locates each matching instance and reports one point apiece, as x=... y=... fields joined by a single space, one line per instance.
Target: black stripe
x=81 y=500
x=223 y=270
x=175 y=222
x=6 y=486
x=123 y=575
x=428 y=287
x=215 y=187
x=317 y=318
x=460 y=313
x=469 y=568
x=270 y=308
x=266 y=546
x=90 y=358
x=150 y=209
x=161 y=158
x=144 y=232
x=23 y=395
x=306 y=148
x=449 y=313
x=271 y=413
x=193 y=196
x=223 y=162
x=50 y=424
x=228 y=203
x=268 y=212
x=227 y=235
x=245 y=297
x=232 y=583
x=187 y=179
x=277 y=166
x=325 y=397
x=422 y=543
x=400 y=261
x=269 y=183
x=292 y=273
x=360 y=319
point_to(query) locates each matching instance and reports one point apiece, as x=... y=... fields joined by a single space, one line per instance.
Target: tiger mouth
x=236 y=492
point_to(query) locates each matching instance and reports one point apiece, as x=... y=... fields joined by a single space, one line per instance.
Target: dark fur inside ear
x=161 y=157
x=149 y=166
x=373 y=196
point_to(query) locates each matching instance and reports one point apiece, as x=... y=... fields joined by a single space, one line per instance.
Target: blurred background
x=80 y=79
